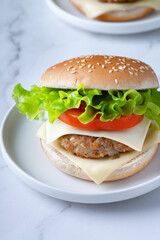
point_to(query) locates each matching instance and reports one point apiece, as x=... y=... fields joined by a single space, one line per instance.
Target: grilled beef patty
x=92 y=147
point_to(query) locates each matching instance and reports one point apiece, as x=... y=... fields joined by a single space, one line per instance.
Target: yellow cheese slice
x=95 y=8
x=133 y=137
x=41 y=133
x=99 y=170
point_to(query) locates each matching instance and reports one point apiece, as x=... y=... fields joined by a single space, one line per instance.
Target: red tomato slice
x=70 y=117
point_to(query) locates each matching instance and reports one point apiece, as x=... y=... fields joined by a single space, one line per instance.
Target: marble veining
x=49 y=220
x=31 y=40
x=14 y=33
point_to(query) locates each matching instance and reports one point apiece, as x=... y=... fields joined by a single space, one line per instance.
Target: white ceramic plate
x=23 y=154
x=67 y=12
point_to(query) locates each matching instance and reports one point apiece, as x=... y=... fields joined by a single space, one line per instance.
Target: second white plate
x=67 y=12
x=24 y=155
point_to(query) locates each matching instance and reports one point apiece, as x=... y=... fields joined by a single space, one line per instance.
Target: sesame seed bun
x=102 y=72
x=119 y=16
x=64 y=164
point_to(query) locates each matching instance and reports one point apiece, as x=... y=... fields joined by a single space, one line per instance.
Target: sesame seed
x=106 y=61
x=98 y=63
x=136 y=69
x=136 y=74
x=90 y=71
x=89 y=65
x=103 y=66
x=120 y=67
x=116 y=81
x=110 y=71
x=83 y=60
x=134 y=61
x=53 y=67
x=65 y=64
x=77 y=61
x=92 y=67
x=146 y=67
x=83 y=64
x=109 y=62
x=116 y=70
x=129 y=69
x=142 y=71
x=138 y=61
x=73 y=69
x=132 y=68
x=122 y=63
x=80 y=66
x=128 y=64
x=142 y=67
x=73 y=72
x=130 y=73
x=71 y=61
x=117 y=63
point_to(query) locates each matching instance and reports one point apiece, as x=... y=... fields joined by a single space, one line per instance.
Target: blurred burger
x=116 y=10
x=103 y=116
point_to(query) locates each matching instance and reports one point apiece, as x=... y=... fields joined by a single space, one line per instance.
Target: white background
x=31 y=40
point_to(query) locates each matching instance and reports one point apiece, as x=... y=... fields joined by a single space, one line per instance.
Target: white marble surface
x=32 y=39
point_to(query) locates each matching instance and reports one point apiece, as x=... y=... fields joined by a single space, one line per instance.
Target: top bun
x=102 y=72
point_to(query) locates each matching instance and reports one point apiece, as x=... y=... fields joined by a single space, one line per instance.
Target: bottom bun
x=64 y=164
x=119 y=16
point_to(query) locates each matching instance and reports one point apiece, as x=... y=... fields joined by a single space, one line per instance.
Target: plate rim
x=45 y=188
x=69 y=18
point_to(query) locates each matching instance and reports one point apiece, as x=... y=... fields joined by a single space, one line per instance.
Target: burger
x=103 y=116
x=116 y=10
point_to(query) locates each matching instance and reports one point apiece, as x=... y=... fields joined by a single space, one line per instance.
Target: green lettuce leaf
x=109 y=104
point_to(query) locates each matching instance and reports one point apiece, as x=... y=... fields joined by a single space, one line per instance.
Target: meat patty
x=92 y=147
